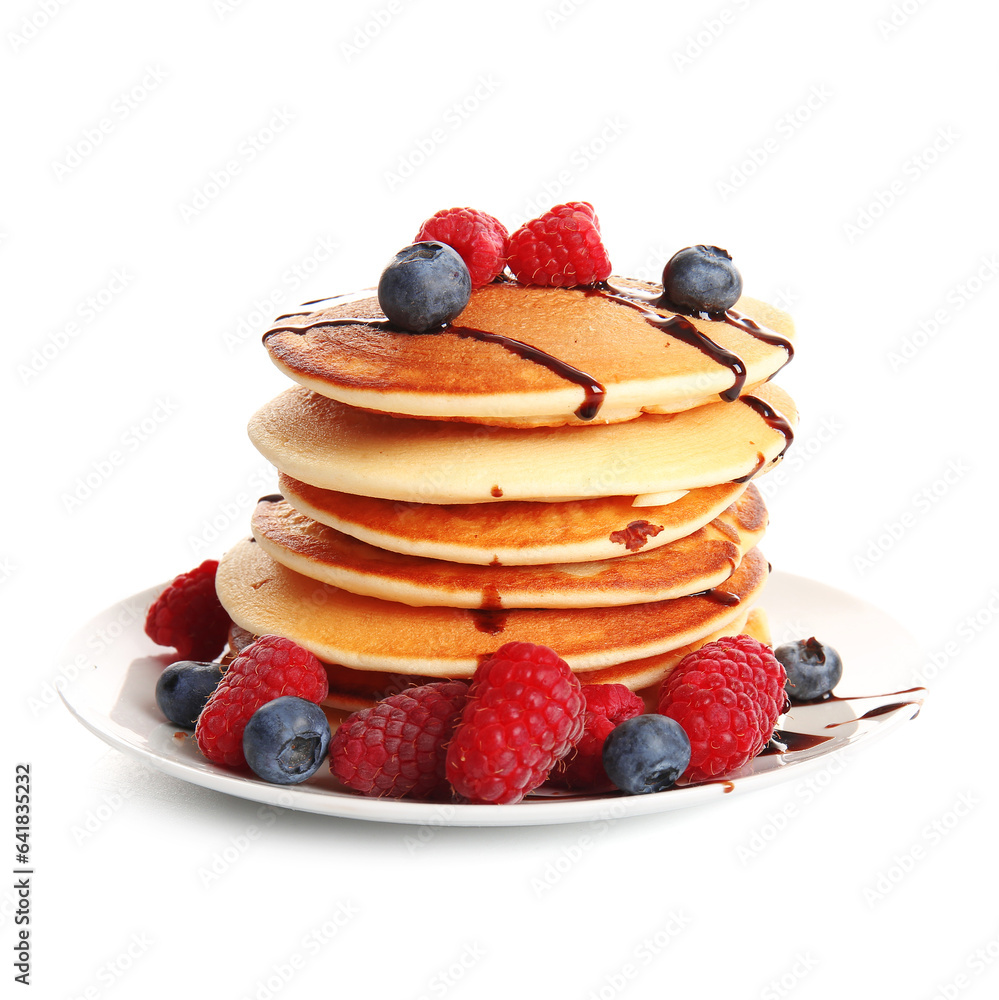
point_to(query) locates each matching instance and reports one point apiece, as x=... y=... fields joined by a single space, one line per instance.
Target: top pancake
x=447 y=375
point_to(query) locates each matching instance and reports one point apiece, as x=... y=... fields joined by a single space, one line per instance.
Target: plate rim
x=533 y=812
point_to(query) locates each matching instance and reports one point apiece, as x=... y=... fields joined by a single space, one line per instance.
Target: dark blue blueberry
x=646 y=754
x=701 y=279
x=424 y=287
x=813 y=668
x=286 y=740
x=184 y=687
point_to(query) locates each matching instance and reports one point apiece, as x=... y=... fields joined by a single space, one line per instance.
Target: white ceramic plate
x=115 y=700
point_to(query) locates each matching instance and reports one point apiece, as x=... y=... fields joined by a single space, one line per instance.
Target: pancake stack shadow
x=444 y=493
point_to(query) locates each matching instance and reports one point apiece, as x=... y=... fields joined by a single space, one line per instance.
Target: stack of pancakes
x=569 y=467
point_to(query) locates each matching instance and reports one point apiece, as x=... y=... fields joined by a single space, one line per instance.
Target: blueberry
x=813 y=668
x=701 y=279
x=184 y=687
x=286 y=740
x=424 y=287
x=646 y=754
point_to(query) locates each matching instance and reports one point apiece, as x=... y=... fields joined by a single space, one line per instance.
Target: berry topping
x=700 y=279
x=424 y=287
x=646 y=754
x=524 y=712
x=183 y=689
x=727 y=695
x=264 y=670
x=188 y=616
x=479 y=239
x=397 y=748
x=561 y=248
x=606 y=706
x=286 y=740
x=813 y=668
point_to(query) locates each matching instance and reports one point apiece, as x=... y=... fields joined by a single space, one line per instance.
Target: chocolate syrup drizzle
x=773 y=419
x=685 y=331
x=593 y=391
x=489 y=620
x=490 y=617
x=680 y=328
x=790 y=742
x=873 y=712
x=344 y=321
x=719 y=596
x=761 y=460
x=677 y=326
x=782 y=743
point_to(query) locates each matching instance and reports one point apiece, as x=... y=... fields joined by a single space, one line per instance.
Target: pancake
x=262 y=596
x=351 y=690
x=514 y=532
x=455 y=374
x=691 y=564
x=324 y=443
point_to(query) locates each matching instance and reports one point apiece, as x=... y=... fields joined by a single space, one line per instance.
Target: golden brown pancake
x=351 y=690
x=696 y=562
x=262 y=596
x=514 y=532
x=327 y=444
x=449 y=374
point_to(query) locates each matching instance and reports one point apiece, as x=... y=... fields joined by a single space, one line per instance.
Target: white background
x=844 y=153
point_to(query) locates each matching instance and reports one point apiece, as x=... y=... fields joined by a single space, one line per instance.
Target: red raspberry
x=606 y=706
x=524 y=712
x=561 y=248
x=397 y=747
x=188 y=616
x=478 y=238
x=727 y=696
x=266 y=669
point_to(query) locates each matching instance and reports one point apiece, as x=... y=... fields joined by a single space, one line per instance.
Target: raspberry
x=727 y=696
x=606 y=706
x=188 y=616
x=266 y=669
x=397 y=747
x=561 y=248
x=478 y=238
x=524 y=712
